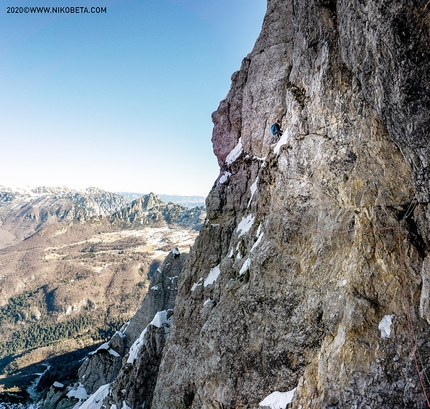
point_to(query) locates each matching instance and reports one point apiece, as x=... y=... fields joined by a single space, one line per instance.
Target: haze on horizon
x=120 y=100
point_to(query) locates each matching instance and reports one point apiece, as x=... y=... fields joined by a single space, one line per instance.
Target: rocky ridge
x=26 y=211
x=186 y=201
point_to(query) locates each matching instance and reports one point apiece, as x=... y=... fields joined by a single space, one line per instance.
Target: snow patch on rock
x=235 y=153
x=106 y=347
x=278 y=400
x=195 y=285
x=253 y=189
x=95 y=401
x=282 y=141
x=58 y=385
x=260 y=235
x=245 y=266
x=213 y=275
x=385 y=326
x=245 y=224
x=224 y=177
x=159 y=319
x=78 y=392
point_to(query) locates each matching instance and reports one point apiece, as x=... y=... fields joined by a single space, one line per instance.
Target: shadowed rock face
x=302 y=256
x=136 y=382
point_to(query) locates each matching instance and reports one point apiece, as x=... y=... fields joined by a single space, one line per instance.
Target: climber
x=276 y=129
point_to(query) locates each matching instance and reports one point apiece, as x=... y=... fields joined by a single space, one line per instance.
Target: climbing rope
x=410 y=329
x=401 y=266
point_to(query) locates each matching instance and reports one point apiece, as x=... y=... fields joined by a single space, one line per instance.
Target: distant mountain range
x=187 y=201
x=151 y=210
x=25 y=211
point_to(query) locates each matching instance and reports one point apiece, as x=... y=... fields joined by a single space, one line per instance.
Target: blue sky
x=120 y=100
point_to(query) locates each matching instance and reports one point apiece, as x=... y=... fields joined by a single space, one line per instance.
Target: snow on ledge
x=253 y=189
x=259 y=236
x=282 y=141
x=195 y=285
x=385 y=326
x=213 y=275
x=79 y=393
x=245 y=266
x=159 y=319
x=235 y=153
x=224 y=177
x=120 y=334
x=176 y=251
x=106 y=347
x=58 y=385
x=239 y=255
x=95 y=401
x=278 y=400
x=245 y=224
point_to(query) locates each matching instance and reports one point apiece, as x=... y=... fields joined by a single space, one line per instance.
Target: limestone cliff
x=312 y=269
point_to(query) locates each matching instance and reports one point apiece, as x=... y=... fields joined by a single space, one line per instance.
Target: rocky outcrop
x=134 y=385
x=57 y=398
x=310 y=273
x=151 y=210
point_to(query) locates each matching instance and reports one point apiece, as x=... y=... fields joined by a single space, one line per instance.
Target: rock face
x=312 y=268
x=134 y=386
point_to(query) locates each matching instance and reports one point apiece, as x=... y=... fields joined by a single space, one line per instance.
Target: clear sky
x=120 y=100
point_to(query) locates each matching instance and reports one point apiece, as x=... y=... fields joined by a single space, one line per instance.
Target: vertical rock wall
x=314 y=245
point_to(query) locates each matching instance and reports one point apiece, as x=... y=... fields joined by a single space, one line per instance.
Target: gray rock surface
x=134 y=385
x=306 y=253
